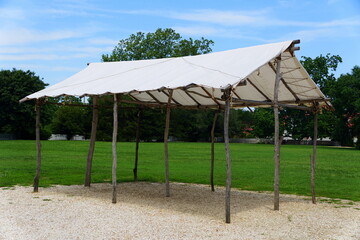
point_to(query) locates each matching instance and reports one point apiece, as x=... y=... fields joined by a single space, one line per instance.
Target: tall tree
x=345 y=95
x=16 y=118
x=321 y=69
x=163 y=43
x=298 y=124
x=71 y=120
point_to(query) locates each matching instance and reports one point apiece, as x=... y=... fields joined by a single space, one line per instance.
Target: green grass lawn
x=63 y=162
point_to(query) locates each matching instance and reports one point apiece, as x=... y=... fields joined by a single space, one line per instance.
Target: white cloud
x=28 y=57
x=348 y=22
x=23 y=35
x=310 y=35
x=64 y=69
x=103 y=41
x=231 y=18
x=255 y=18
x=198 y=30
x=219 y=31
x=12 y=13
x=42 y=67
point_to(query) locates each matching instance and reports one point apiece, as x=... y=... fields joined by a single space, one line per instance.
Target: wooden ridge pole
x=213 y=151
x=313 y=159
x=38 y=145
x=276 y=137
x=166 y=153
x=95 y=119
x=137 y=145
x=114 y=154
x=227 y=150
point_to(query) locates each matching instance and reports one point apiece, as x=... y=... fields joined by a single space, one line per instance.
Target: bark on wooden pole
x=227 y=150
x=313 y=159
x=213 y=151
x=166 y=153
x=95 y=119
x=38 y=146
x=114 y=154
x=137 y=145
x=276 y=137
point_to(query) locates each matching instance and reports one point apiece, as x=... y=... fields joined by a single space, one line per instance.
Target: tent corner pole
x=38 y=145
x=277 y=142
x=114 y=153
x=135 y=170
x=166 y=152
x=213 y=151
x=94 y=123
x=313 y=159
x=227 y=152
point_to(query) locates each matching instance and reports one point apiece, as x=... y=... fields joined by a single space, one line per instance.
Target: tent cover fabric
x=198 y=81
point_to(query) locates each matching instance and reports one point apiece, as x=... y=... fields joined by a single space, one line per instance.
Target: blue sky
x=57 y=38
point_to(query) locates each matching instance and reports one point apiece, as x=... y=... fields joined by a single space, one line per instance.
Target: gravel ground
x=192 y=212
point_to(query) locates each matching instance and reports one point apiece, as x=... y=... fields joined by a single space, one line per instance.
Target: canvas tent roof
x=198 y=80
x=266 y=75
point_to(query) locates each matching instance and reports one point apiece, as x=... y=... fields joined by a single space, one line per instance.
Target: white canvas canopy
x=198 y=80
x=266 y=75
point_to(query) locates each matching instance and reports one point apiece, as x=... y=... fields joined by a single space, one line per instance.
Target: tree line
x=342 y=124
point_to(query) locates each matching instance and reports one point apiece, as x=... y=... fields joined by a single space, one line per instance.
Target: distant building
x=58 y=137
x=64 y=137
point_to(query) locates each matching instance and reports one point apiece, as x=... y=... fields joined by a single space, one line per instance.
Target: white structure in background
x=64 y=137
x=58 y=137
x=78 y=138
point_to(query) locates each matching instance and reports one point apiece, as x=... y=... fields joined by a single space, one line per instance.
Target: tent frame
x=230 y=102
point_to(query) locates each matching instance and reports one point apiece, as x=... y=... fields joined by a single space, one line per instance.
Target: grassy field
x=338 y=170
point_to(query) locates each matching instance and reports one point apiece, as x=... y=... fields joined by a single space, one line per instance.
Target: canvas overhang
x=198 y=80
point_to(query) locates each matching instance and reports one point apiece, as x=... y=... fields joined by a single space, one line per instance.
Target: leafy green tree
x=16 y=118
x=299 y=124
x=345 y=95
x=71 y=121
x=163 y=43
x=321 y=69
x=263 y=122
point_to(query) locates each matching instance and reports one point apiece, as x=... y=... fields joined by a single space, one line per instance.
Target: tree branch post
x=276 y=137
x=114 y=153
x=38 y=145
x=137 y=145
x=227 y=151
x=313 y=159
x=95 y=119
x=213 y=151
x=166 y=153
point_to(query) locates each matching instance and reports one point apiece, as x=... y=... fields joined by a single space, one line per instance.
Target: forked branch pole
x=38 y=146
x=135 y=170
x=166 y=152
x=276 y=138
x=95 y=119
x=227 y=151
x=313 y=159
x=114 y=141
x=213 y=151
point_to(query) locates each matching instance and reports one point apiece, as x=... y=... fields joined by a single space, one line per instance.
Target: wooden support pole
x=313 y=159
x=277 y=138
x=95 y=119
x=166 y=153
x=137 y=145
x=38 y=145
x=227 y=151
x=213 y=151
x=114 y=154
